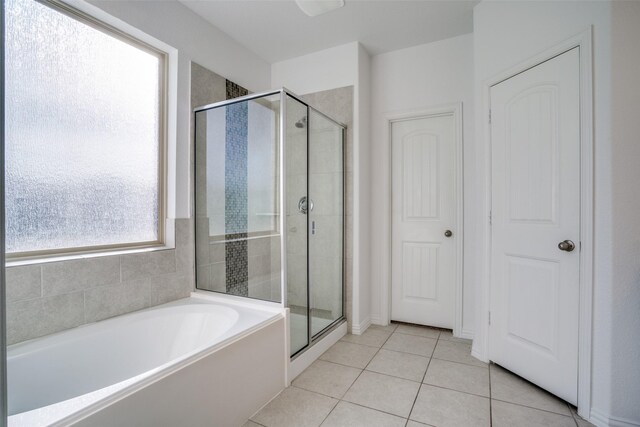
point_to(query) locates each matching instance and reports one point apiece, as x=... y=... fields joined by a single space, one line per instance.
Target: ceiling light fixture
x=318 y=7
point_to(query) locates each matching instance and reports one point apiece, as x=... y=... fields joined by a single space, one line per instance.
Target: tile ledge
x=86 y=255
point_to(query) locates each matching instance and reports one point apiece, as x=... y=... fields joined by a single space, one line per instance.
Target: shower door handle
x=305 y=205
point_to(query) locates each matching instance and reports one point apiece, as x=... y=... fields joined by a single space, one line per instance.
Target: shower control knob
x=305 y=205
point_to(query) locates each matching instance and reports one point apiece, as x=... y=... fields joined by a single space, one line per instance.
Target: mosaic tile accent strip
x=237 y=266
x=235 y=174
x=235 y=90
x=236 y=193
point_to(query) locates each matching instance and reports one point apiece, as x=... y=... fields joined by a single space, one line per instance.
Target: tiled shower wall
x=50 y=297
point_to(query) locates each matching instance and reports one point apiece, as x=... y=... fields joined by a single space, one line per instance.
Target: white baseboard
x=303 y=361
x=466 y=334
x=600 y=419
x=377 y=321
x=478 y=356
x=359 y=328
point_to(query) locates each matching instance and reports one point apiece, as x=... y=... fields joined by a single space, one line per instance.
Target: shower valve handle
x=305 y=205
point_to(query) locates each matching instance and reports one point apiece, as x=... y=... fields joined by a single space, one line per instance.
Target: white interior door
x=423 y=260
x=535 y=139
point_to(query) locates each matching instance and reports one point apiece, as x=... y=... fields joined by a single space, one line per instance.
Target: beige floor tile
x=389 y=328
x=412 y=423
x=372 y=337
x=447 y=408
x=421 y=331
x=458 y=376
x=397 y=364
x=251 y=424
x=327 y=378
x=410 y=344
x=456 y=352
x=382 y=392
x=346 y=353
x=507 y=415
x=511 y=388
x=448 y=336
x=347 y=414
x=295 y=407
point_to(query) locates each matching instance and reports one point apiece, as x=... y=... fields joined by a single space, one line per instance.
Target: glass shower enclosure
x=269 y=205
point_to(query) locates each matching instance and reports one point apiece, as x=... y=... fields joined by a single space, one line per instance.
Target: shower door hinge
x=489 y=116
x=490 y=217
x=489 y=318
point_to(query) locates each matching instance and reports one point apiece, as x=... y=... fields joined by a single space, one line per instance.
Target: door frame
x=480 y=349
x=454 y=110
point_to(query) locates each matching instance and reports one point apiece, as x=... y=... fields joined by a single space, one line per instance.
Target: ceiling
x=279 y=30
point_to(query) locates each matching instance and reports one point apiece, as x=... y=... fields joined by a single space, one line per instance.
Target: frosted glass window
x=83 y=134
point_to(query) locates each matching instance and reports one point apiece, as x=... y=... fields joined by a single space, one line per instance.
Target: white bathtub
x=169 y=357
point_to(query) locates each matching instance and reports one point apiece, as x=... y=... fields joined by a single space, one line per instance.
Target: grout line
x=457 y=391
x=460 y=363
x=415 y=399
x=362 y=370
x=573 y=414
x=351 y=342
x=531 y=407
x=486 y=366
x=335 y=363
x=330 y=412
x=360 y=374
x=374 y=409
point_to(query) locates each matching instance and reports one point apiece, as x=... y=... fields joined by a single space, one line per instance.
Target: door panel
x=296 y=167
x=326 y=226
x=535 y=137
x=423 y=208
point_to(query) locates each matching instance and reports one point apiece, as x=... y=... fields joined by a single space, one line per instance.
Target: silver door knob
x=566 y=245
x=448 y=233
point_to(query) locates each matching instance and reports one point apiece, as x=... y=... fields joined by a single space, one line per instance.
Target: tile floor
x=410 y=376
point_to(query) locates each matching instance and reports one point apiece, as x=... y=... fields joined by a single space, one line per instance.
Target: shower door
x=326 y=224
x=315 y=211
x=296 y=187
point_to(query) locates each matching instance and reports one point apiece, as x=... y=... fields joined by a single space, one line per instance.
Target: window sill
x=85 y=255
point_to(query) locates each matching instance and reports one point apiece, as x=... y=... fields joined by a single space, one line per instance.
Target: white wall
x=625 y=283
x=362 y=192
x=195 y=40
x=345 y=65
x=507 y=33
x=419 y=78
x=327 y=69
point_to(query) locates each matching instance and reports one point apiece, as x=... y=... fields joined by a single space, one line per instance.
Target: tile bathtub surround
x=50 y=297
x=361 y=382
